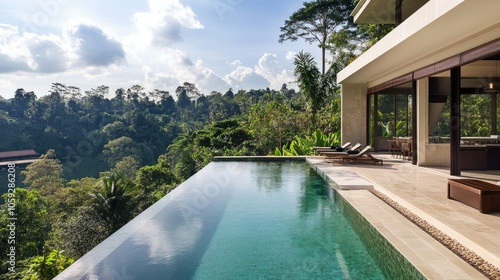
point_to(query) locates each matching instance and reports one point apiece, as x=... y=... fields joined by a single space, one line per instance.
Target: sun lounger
x=345 y=146
x=364 y=155
x=331 y=154
x=330 y=149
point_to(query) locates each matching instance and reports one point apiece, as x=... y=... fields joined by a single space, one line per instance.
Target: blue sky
x=159 y=44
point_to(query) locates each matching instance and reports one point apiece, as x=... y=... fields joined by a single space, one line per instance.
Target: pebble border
x=483 y=266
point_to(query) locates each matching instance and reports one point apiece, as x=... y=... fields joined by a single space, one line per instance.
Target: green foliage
x=316 y=87
x=273 y=123
x=369 y=34
x=46 y=266
x=128 y=166
x=401 y=129
x=155 y=181
x=115 y=150
x=32 y=224
x=308 y=77
x=192 y=151
x=115 y=130
x=80 y=232
x=316 y=20
x=329 y=118
x=385 y=129
x=304 y=146
x=92 y=134
x=476 y=115
x=45 y=174
x=113 y=201
x=69 y=198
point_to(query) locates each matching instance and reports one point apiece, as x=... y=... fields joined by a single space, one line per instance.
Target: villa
x=439 y=52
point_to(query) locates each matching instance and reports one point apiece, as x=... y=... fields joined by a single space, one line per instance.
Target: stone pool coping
x=428 y=255
x=414 y=237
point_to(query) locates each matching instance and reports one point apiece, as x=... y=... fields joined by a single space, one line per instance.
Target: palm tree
x=113 y=200
x=315 y=86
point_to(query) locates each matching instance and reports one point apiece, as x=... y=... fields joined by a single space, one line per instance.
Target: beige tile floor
x=423 y=191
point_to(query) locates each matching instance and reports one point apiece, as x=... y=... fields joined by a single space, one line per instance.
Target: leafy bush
x=304 y=146
x=46 y=267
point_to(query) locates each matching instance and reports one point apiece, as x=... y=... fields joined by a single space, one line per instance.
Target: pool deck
x=423 y=192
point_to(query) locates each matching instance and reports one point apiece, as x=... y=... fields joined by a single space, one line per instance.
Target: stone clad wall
x=354 y=113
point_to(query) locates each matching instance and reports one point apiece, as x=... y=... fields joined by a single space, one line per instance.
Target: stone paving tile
x=423 y=191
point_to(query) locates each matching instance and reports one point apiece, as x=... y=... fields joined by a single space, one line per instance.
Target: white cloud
x=269 y=68
x=94 y=47
x=290 y=55
x=47 y=56
x=5 y=83
x=245 y=78
x=240 y=73
x=9 y=64
x=85 y=46
x=161 y=25
x=268 y=72
x=158 y=80
x=8 y=32
x=96 y=73
x=185 y=70
x=236 y=62
x=28 y=52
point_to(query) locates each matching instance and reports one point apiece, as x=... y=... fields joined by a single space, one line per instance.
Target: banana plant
x=304 y=146
x=386 y=129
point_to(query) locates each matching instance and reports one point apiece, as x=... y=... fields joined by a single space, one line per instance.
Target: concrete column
x=422 y=118
x=353 y=114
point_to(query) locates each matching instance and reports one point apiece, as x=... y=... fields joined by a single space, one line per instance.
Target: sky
x=158 y=44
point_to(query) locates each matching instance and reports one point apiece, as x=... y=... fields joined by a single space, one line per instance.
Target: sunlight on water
x=236 y=220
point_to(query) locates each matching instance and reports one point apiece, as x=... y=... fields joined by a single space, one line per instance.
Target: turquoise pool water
x=237 y=220
x=283 y=222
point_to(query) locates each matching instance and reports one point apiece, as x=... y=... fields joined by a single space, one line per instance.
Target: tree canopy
x=107 y=158
x=316 y=21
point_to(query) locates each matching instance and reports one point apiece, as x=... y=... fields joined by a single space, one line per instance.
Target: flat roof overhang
x=383 y=11
x=437 y=31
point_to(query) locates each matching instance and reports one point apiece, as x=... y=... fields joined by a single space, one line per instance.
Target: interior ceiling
x=493 y=57
x=474 y=75
x=482 y=69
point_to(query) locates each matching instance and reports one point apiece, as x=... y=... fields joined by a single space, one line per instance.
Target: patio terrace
x=423 y=192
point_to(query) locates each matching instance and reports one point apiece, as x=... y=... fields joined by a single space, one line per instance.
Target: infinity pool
x=237 y=220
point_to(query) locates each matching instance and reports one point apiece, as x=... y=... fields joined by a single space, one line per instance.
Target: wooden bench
x=481 y=195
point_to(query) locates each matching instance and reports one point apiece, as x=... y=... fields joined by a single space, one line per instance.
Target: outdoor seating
x=406 y=151
x=478 y=194
x=331 y=149
x=332 y=153
x=363 y=155
x=394 y=147
x=400 y=147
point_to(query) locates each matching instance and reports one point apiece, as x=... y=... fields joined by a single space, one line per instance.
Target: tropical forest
x=108 y=154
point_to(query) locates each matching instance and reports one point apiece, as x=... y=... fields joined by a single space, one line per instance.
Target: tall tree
x=119 y=148
x=273 y=123
x=32 y=224
x=316 y=21
x=44 y=174
x=345 y=45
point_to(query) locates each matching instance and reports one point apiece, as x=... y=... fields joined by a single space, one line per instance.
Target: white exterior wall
x=428 y=154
